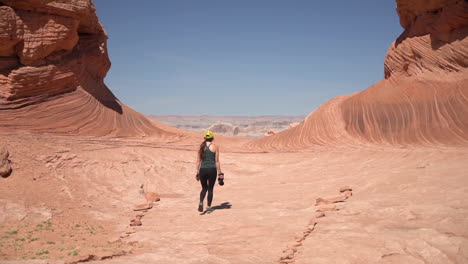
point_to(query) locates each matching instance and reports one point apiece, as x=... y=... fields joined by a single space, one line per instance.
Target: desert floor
x=70 y=199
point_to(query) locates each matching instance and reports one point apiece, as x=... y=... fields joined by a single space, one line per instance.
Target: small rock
x=5 y=166
x=294 y=244
x=113 y=240
x=345 y=188
x=129 y=230
x=312 y=222
x=348 y=193
x=319 y=214
x=327 y=207
x=152 y=197
x=135 y=222
x=299 y=239
x=141 y=214
x=142 y=207
x=287 y=255
x=321 y=201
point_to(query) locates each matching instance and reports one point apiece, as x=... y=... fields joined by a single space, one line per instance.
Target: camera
x=221 y=181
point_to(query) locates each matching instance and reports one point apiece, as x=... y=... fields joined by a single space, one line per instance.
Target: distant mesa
x=226 y=129
x=423 y=98
x=239 y=126
x=294 y=124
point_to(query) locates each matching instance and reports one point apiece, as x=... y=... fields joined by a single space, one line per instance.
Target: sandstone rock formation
x=294 y=124
x=423 y=98
x=226 y=129
x=53 y=60
x=5 y=167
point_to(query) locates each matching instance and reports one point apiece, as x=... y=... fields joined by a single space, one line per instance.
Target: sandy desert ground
x=408 y=205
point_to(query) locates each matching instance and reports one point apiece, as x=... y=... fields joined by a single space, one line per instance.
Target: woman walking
x=207 y=166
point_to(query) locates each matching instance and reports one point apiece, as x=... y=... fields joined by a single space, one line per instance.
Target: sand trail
x=407 y=202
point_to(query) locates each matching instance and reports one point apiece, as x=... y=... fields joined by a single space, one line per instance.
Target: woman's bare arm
x=218 y=164
x=198 y=164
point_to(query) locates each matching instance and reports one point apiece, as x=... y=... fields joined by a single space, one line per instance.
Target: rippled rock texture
x=423 y=98
x=53 y=60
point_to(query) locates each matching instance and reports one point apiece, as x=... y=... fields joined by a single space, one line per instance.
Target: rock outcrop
x=423 y=98
x=53 y=60
x=5 y=167
x=225 y=129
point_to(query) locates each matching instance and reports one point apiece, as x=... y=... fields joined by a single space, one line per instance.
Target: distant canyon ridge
x=240 y=126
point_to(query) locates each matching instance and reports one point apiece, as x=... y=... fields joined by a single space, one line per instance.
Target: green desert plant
x=74 y=252
x=42 y=252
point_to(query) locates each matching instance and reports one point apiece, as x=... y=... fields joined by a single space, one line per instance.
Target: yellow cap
x=209 y=135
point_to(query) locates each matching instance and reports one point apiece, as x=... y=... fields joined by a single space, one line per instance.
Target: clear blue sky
x=244 y=57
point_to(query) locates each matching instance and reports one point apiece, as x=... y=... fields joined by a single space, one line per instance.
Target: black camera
x=221 y=181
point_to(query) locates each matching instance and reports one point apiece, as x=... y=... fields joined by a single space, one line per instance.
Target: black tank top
x=209 y=161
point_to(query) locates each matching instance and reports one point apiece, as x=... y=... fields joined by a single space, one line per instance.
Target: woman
x=208 y=162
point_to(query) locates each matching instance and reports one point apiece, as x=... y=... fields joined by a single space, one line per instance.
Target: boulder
x=5 y=167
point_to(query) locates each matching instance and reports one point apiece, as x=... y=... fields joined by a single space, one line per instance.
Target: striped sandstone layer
x=422 y=100
x=53 y=60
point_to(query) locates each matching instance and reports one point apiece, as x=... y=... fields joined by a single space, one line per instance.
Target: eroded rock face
x=53 y=60
x=5 y=167
x=433 y=40
x=423 y=98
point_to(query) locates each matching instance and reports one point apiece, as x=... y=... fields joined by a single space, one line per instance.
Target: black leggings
x=207 y=180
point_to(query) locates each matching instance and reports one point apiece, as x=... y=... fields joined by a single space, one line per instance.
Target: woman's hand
x=221 y=175
x=197 y=176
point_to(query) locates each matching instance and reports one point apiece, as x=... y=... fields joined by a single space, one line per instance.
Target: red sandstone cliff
x=423 y=98
x=53 y=60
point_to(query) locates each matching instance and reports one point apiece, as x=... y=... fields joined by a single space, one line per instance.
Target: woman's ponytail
x=201 y=151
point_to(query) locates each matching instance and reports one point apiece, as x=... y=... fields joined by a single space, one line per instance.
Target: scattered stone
x=129 y=230
x=294 y=244
x=142 y=207
x=91 y=257
x=345 y=188
x=299 y=239
x=141 y=214
x=341 y=198
x=319 y=214
x=152 y=197
x=113 y=240
x=287 y=255
x=348 y=193
x=86 y=258
x=136 y=222
x=312 y=222
x=327 y=207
